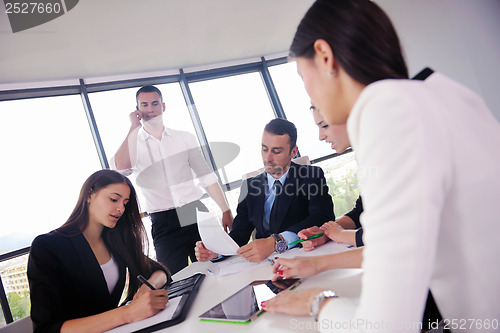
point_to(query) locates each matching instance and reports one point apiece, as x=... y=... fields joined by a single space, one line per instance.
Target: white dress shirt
x=164 y=169
x=429 y=171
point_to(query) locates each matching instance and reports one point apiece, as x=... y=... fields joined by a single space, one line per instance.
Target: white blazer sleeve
x=402 y=177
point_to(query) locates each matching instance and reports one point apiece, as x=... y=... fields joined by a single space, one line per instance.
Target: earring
x=331 y=74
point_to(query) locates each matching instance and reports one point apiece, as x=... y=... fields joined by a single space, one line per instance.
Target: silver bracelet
x=318 y=300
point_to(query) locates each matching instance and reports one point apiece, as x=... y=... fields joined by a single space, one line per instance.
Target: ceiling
x=105 y=39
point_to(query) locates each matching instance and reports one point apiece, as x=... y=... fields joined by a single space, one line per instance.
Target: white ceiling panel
x=106 y=38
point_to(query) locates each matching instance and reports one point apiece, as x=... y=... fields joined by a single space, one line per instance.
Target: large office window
x=16 y=287
x=47 y=153
x=234 y=109
x=296 y=104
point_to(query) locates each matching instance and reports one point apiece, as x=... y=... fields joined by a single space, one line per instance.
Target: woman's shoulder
x=392 y=87
x=50 y=240
x=45 y=238
x=421 y=90
x=389 y=95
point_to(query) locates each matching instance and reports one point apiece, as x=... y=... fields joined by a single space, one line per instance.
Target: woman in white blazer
x=429 y=170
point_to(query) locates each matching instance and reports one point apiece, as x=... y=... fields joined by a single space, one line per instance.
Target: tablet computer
x=244 y=305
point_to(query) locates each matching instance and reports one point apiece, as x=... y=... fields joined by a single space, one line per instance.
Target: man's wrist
x=271 y=244
x=280 y=244
x=134 y=129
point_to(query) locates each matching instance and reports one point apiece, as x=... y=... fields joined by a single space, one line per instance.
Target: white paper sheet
x=213 y=235
x=235 y=265
x=160 y=317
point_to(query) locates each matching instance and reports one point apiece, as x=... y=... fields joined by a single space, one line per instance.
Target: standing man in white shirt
x=162 y=159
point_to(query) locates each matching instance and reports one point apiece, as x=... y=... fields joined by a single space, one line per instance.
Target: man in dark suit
x=280 y=202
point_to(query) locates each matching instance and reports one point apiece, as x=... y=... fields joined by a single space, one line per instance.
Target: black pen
x=143 y=280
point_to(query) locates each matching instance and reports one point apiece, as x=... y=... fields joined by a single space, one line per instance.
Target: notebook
x=181 y=295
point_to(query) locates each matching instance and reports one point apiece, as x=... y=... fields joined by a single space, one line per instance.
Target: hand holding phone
x=135 y=119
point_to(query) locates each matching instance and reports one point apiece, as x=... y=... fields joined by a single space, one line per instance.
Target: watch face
x=281 y=247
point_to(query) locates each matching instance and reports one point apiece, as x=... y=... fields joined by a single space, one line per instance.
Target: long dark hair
x=361 y=35
x=127 y=238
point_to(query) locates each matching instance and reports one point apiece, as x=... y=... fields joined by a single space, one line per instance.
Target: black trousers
x=175 y=233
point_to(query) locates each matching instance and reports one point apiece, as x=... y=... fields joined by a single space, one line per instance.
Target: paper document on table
x=235 y=265
x=213 y=236
x=160 y=317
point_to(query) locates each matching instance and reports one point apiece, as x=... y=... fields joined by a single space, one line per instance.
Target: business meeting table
x=216 y=288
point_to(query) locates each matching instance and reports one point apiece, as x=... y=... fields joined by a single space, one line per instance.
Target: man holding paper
x=279 y=202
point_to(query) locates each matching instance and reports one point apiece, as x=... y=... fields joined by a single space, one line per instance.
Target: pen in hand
x=308 y=238
x=146 y=282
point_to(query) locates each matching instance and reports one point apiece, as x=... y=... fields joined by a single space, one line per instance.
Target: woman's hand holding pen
x=298 y=266
x=309 y=245
x=147 y=302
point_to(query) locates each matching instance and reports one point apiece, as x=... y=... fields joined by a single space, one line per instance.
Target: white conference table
x=214 y=289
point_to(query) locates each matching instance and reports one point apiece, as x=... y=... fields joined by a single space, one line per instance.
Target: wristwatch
x=281 y=245
x=318 y=300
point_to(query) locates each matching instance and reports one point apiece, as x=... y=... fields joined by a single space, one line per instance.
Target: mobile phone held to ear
x=137 y=109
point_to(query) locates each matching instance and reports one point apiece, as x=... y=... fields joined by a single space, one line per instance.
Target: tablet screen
x=245 y=304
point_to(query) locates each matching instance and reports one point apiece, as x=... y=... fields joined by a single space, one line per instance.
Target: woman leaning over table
x=428 y=162
x=77 y=272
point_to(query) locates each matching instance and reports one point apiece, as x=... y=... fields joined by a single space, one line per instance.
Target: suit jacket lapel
x=91 y=268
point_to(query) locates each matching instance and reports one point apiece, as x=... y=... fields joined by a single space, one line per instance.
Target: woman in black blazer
x=77 y=272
